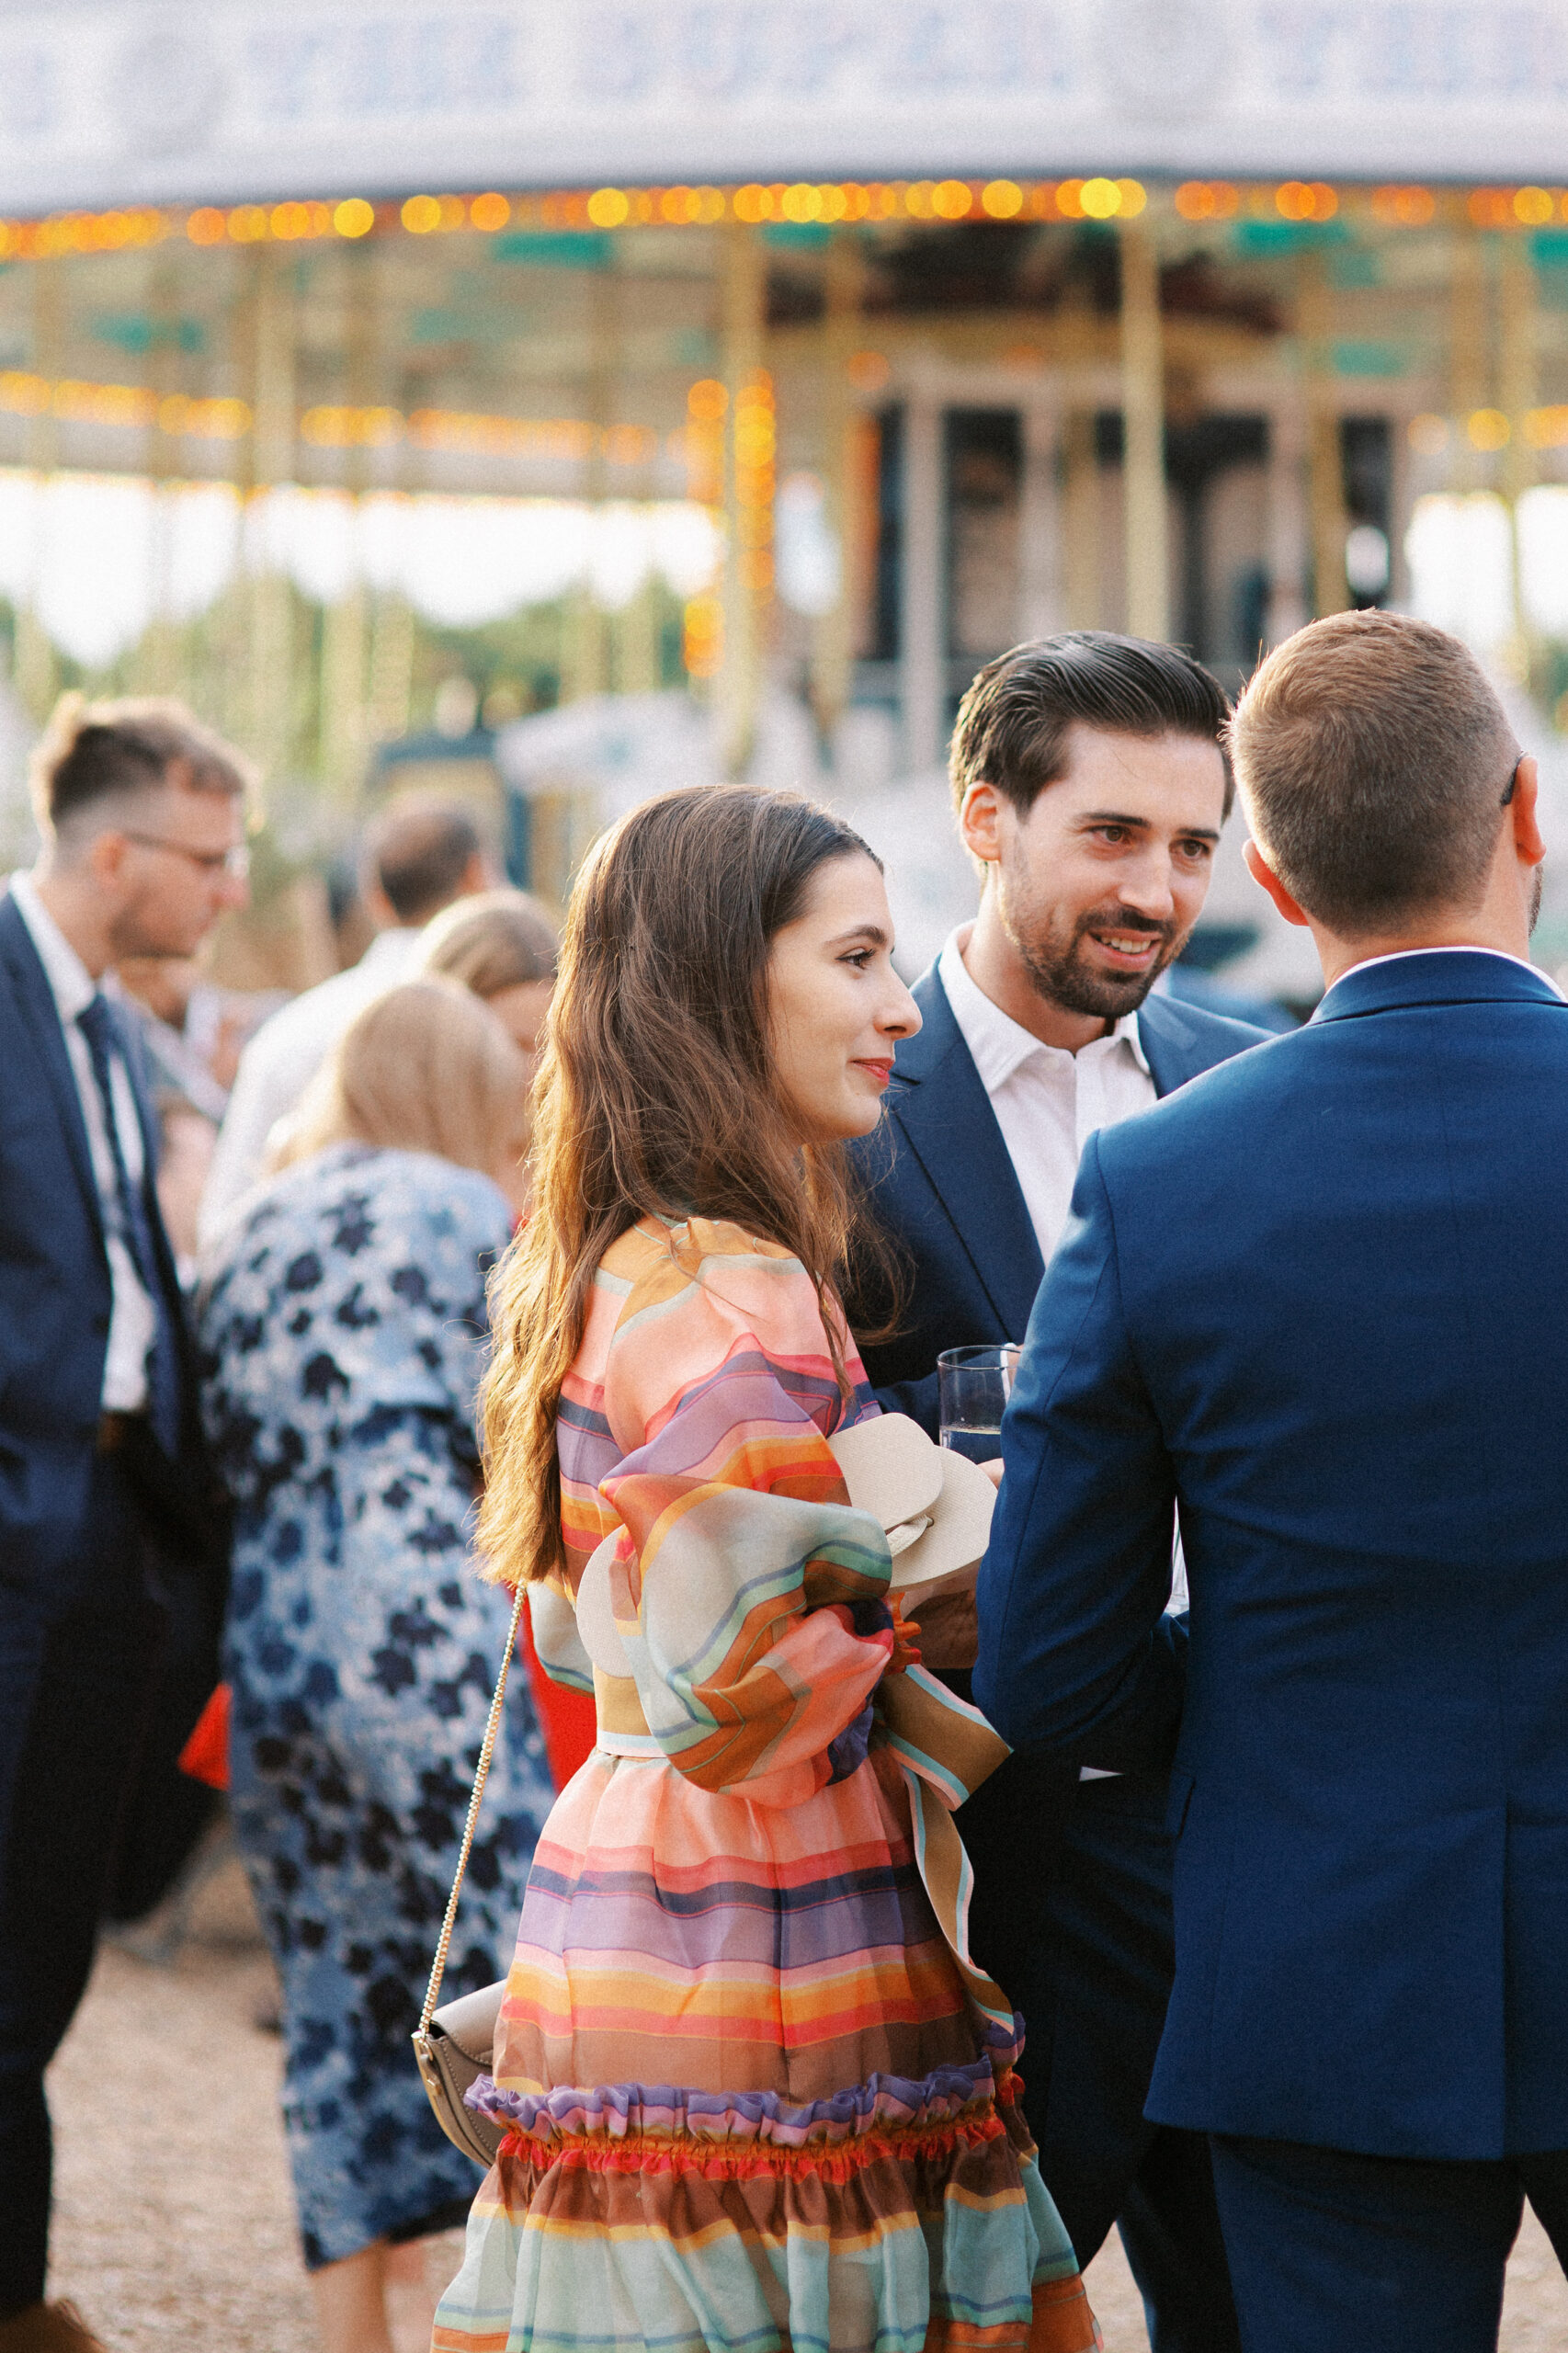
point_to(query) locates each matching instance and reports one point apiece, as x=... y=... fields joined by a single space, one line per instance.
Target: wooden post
x=1518 y=389
x=270 y=719
x=585 y=665
x=1468 y=372
x=1081 y=520
x=1143 y=435
x=1040 y=524
x=833 y=649
x=748 y=471
x=1288 y=523
x=391 y=666
x=1325 y=469
x=637 y=642
x=37 y=672
x=922 y=635
x=159 y=655
x=346 y=631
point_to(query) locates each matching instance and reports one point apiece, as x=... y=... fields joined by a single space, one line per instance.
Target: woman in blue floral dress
x=343 y=1337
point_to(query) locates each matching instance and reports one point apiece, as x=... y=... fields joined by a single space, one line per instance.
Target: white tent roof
x=108 y=102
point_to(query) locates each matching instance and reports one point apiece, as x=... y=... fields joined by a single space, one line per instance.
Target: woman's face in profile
x=520 y=1010
x=836 y=1007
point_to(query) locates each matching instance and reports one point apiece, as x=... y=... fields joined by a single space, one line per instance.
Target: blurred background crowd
x=489 y=417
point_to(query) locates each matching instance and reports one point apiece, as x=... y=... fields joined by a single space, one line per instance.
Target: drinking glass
x=974 y=1386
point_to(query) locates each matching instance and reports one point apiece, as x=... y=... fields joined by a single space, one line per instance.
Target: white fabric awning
x=115 y=101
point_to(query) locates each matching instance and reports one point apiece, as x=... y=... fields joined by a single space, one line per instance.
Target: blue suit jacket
x=939 y=1180
x=55 y=1278
x=1319 y=1301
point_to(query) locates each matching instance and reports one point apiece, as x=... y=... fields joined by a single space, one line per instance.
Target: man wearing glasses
x=110 y=1549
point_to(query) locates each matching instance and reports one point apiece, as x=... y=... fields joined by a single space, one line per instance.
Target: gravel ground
x=173 y=2224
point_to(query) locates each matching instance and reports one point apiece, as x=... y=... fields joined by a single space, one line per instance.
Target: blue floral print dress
x=343 y=1339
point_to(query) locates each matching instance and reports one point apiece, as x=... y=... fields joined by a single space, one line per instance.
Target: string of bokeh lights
x=801 y=204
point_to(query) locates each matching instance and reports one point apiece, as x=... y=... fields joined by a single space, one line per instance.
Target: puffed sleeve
x=748 y=1595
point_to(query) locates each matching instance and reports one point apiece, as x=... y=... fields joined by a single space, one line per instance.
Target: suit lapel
x=1172 y=1046
x=946 y=1118
x=35 y=1002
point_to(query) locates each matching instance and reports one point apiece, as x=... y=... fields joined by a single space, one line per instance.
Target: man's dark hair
x=1013 y=724
x=1376 y=762
x=96 y=752
x=420 y=851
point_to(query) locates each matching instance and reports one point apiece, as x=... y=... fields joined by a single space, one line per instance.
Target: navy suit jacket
x=1320 y=1301
x=939 y=1181
x=54 y=1281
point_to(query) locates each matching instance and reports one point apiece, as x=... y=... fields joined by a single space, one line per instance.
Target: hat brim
x=895 y=1473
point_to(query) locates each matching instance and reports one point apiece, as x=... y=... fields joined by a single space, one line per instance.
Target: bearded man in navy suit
x=111 y=1539
x=1315 y=1304
x=1091 y=788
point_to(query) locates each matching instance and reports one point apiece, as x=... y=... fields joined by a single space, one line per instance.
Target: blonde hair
x=495 y=940
x=425 y=1068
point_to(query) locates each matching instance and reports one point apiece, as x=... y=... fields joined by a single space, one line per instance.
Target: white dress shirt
x=1048 y=1102
x=278 y=1064
x=133 y=1317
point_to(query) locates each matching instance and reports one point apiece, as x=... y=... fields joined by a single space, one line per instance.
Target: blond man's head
x=1373 y=760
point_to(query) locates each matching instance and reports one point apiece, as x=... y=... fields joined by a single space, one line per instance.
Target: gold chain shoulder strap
x=482 y=1771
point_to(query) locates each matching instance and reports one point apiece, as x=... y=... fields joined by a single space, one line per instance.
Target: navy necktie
x=99 y=1025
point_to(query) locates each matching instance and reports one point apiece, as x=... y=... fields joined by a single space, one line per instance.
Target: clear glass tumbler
x=974 y=1386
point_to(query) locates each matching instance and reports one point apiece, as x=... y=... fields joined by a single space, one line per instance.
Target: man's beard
x=1060 y=975
x=1536 y=887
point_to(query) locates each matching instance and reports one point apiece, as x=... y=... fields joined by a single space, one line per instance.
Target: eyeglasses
x=1513 y=779
x=234 y=862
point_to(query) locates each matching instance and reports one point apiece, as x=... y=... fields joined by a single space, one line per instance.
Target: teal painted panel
x=1370 y=360
x=555 y=248
x=138 y=330
x=1287 y=236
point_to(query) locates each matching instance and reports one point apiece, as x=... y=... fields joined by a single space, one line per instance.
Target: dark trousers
x=75 y=1668
x=1071 y=1916
x=1384 y=2255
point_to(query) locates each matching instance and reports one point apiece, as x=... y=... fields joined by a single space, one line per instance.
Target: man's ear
x=106 y=858
x=980 y=822
x=1524 y=808
x=1262 y=874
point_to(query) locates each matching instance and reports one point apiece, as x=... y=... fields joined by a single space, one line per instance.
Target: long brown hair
x=655 y=1096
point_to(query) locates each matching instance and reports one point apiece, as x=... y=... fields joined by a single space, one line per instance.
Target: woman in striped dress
x=752 y=2096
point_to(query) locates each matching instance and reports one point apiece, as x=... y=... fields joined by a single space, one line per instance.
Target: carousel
x=384 y=375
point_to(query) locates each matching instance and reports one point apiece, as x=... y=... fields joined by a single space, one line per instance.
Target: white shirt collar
x=74 y=986
x=999 y=1044
x=389 y=950
x=1450 y=948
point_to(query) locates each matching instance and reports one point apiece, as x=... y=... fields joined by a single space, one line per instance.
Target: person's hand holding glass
x=974 y=1386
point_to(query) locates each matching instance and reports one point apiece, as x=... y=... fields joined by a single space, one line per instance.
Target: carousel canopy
x=131 y=100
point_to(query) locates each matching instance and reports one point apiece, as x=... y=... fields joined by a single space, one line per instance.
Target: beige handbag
x=936 y=1509
x=454 y=2045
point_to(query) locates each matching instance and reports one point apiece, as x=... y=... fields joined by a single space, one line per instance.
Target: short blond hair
x=1372 y=758
x=425 y=1068
x=495 y=940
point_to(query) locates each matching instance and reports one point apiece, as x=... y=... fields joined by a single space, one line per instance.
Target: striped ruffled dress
x=751 y=2100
